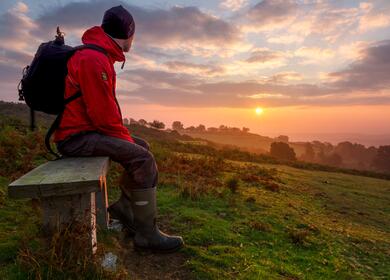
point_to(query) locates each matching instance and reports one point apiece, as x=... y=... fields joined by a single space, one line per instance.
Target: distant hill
x=247 y=141
x=366 y=139
x=21 y=112
x=344 y=154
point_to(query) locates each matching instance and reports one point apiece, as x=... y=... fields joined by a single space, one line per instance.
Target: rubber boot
x=148 y=237
x=121 y=210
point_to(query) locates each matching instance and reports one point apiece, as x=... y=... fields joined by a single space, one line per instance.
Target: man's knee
x=146 y=145
x=141 y=142
x=146 y=172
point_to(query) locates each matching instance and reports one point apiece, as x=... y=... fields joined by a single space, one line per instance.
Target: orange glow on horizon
x=278 y=120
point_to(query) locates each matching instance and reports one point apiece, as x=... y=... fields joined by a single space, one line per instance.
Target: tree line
x=179 y=126
x=344 y=154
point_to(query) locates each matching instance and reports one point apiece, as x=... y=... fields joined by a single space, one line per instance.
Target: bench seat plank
x=66 y=176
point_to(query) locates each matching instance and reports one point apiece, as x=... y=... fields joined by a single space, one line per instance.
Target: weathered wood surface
x=62 y=177
x=60 y=212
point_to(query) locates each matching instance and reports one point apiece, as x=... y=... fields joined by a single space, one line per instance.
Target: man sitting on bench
x=92 y=126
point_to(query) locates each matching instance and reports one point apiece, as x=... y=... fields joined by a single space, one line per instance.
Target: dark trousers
x=139 y=163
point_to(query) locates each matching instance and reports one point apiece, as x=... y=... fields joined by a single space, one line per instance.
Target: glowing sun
x=259 y=111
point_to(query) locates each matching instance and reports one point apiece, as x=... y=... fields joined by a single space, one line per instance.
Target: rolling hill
x=242 y=217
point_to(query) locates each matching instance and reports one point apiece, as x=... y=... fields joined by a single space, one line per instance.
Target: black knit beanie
x=118 y=23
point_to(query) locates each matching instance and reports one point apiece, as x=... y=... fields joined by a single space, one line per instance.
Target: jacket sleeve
x=97 y=90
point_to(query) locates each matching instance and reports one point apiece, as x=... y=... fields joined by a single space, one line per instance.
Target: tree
x=177 y=125
x=190 y=128
x=133 y=121
x=201 y=128
x=245 y=129
x=157 y=124
x=282 y=138
x=142 y=122
x=356 y=155
x=381 y=161
x=333 y=159
x=223 y=127
x=125 y=121
x=282 y=150
x=234 y=129
x=309 y=154
x=212 y=129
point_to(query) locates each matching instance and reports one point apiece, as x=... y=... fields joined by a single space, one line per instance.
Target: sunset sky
x=313 y=66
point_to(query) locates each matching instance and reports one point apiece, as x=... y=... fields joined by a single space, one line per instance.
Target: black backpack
x=43 y=83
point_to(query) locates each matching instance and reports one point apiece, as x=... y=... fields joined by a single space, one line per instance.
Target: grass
x=240 y=220
x=292 y=234
x=16 y=222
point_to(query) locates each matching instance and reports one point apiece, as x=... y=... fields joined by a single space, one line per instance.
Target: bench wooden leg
x=59 y=211
x=102 y=217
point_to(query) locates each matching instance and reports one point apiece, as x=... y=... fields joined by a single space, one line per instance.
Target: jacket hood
x=96 y=35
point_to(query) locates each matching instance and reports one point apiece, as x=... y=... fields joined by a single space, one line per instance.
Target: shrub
x=20 y=151
x=260 y=226
x=282 y=150
x=64 y=256
x=232 y=184
x=192 y=190
x=299 y=236
x=271 y=186
x=207 y=166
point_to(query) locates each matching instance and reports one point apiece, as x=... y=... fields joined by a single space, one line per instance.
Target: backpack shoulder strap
x=91 y=47
x=56 y=124
x=57 y=121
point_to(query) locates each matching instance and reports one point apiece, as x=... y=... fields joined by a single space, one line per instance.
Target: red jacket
x=93 y=73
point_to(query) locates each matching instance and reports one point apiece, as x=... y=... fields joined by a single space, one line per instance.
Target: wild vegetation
x=242 y=215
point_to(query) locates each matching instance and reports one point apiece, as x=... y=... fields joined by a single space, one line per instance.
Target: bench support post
x=102 y=216
x=60 y=211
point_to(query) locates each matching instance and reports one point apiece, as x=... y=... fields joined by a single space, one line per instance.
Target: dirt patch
x=151 y=266
x=141 y=265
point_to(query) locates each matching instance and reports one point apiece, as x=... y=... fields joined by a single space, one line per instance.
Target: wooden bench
x=69 y=189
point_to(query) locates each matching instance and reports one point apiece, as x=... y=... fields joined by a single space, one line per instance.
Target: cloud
x=163 y=68
x=246 y=94
x=369 y=22
x=264 y=55
x=172 y=89
x=176 y=32
x=268 y=15
x=353 y=51
x=363 y=82
x=184 y=23
x=15 y=58
x=16 y=27
x=195 y=68
x=314 y=54
x=160 y=78
x=16 y=45
x=285 y=77
x=287 y=22
x=373 y=18
x=174 y=28
x=9 y=74
x=371 y=72
x=285 y=39
x=259 y=58
x=233 y=5
x=325 y=20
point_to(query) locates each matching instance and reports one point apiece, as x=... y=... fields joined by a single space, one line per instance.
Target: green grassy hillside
x=241 y=218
